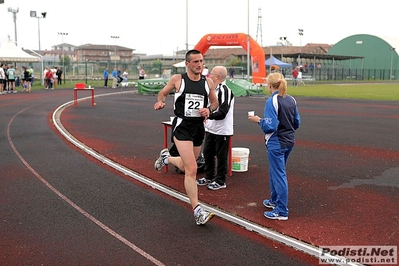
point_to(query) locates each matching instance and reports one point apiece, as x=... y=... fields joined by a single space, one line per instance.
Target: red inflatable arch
x=238 y=39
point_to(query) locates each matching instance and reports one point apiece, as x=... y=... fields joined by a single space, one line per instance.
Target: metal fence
x=331 y=74
x=94 y=71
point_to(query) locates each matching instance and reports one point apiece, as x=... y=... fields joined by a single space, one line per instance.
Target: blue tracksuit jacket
x=281 y=119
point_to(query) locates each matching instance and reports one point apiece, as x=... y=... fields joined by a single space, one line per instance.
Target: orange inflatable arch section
x=238 y=39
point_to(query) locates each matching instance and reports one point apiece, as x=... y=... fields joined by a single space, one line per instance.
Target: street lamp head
x=13 y=10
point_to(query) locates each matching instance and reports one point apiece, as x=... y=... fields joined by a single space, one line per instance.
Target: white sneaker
x=203 y=216
x=216 y=186
x=203 y=181
x=159 y=163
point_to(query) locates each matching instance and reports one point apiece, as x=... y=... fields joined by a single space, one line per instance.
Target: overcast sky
x=159 y=26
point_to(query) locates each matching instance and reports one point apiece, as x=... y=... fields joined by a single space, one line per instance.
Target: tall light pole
x=86 y=71
x=392 y=50
x=300 y=31
x=63 y=56
x=186 y=26
x=248 y=45
x=14 y=13
x=115 y=37
x=34 y=15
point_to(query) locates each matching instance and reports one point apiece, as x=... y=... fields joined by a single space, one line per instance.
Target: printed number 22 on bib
x=193 y=103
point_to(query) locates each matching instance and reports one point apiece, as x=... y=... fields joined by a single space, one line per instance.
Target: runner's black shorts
x=189 y=130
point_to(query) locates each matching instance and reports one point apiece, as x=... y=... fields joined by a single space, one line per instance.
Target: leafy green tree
x=234 y=61
x=157 y=66
x=65 y=61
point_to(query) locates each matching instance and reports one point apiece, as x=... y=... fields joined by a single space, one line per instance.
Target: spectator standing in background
x=32 y=75
x=205 y=71
x=281 y=119
x=45 y=77
x=11 y=79
x=232 y=71
x=49 y=79
x=2 y=78
x=59 y=75
x=141 y=73
x=114 y=78
x=106 y=75
x=219 y=130
x=17 y=76
x=54 y=80
x=294 y=74
x=300 y=81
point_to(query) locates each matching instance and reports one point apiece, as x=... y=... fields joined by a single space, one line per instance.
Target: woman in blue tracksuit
x=281 y=119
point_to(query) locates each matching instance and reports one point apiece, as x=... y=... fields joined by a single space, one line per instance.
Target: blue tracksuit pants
x=278 y=179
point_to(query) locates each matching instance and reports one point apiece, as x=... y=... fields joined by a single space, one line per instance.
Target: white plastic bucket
x=240 y=159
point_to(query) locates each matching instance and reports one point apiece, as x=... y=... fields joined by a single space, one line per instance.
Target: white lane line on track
x=250 y=226
x=75 y=206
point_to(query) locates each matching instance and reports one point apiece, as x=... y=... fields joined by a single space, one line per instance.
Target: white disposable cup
x=89 y=86
x=251 y=113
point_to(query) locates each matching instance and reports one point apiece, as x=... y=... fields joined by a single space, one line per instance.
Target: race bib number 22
x=192 y=104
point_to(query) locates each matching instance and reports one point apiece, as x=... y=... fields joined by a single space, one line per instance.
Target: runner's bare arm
x=212 y=99
x=168 y=88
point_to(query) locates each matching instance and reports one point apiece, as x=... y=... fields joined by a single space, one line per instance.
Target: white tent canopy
x=180 y=64
x=9 y=52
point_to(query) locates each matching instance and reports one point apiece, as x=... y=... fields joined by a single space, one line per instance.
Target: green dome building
x=379 y=57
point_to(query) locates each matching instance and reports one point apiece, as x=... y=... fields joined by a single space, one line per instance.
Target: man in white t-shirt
x=205 y=71
x=300 y=81
x=54 y=71
x=2 y=78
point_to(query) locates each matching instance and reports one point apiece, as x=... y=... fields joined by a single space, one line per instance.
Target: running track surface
x=343 y=172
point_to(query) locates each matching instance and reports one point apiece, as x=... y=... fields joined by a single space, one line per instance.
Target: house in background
x=103 y=53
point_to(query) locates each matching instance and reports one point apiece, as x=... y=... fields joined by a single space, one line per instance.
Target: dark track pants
x=216 y=157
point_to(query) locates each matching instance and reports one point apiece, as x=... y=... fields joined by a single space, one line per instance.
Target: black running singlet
x=192 y=96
